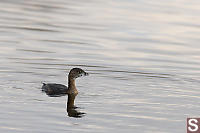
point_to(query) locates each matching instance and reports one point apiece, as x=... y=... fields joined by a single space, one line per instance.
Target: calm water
x=143 y=58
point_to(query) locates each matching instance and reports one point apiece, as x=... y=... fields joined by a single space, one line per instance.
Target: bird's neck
x=72 y=86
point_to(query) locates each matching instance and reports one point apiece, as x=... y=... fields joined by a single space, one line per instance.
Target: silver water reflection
x=143 y=57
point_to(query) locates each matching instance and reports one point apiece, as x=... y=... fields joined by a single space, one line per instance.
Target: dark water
x=143 y=58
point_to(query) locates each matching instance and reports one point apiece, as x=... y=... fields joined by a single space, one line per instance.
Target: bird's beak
x=86 y=74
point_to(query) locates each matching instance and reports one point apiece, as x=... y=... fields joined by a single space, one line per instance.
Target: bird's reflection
x=71 y=108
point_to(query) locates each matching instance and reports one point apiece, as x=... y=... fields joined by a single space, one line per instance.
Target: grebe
x=52 y=89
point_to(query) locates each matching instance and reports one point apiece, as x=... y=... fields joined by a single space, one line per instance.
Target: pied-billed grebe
x=59 y=89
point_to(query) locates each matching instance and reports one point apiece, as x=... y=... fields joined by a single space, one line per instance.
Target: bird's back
x=55 y=89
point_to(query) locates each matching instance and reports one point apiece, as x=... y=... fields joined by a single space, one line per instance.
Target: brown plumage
x=52 y=89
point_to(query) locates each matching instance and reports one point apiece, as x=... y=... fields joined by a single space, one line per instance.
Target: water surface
x=142 y=56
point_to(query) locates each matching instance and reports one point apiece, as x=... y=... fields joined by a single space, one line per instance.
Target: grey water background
x=143 y=58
